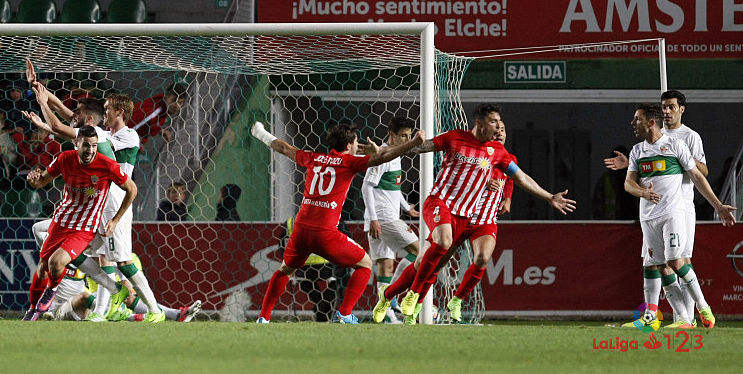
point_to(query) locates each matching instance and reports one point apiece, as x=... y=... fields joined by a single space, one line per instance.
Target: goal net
x=237 y=194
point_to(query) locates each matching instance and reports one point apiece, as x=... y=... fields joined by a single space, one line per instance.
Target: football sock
x=170 y=313
x=471 y=278
x=401 y=284
x=102 y=294
x=276 y=287
x=37 y=288
x=692 y=286
x=674 y=296
x=54 y=281
x=139 y=281
x=137 y=307
x=430 y=260
x=651 y=286
x=92 y=269
x=355 y=287
x=427 y=286
x=381 y=281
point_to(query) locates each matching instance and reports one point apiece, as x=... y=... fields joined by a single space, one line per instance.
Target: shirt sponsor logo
x=321 y=204
x=483 y=163
x=650 y=166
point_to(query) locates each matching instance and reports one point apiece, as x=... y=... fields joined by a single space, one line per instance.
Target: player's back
x=327 y=180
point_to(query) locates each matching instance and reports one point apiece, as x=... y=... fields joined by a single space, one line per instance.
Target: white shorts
x=395 y=237
x=118 y=247
x=664 y=238
x=66 y=313
x=62 y=305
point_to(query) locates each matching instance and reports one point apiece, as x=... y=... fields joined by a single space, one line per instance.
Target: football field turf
x=214 y=347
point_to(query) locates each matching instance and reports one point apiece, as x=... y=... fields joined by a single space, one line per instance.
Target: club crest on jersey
x=664 y=148
x=94 y=178
x=490 y=150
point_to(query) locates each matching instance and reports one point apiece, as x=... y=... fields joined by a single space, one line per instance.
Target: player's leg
x=691 y=221
x=276 y=287
x=102 y=294
x=384 y=258
x=672 y=230
x=403 y=242
x=482 y=249
x=687 y=275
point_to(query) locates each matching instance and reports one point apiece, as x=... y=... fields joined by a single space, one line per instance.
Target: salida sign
x=693 y=29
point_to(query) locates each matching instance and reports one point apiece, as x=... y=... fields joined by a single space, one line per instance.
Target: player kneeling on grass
x=87 y=177
x=328 y=179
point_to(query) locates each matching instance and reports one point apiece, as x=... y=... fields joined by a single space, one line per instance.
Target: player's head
x=500 y=133
x=401 y=130
x=118 y=108
x=229 y=195
x=343 y=138
x=177 y=192
x=174 y=98
x=87 y=144
x=673 y=104
x=487 y=117
x=647 y=119
x=88 y=112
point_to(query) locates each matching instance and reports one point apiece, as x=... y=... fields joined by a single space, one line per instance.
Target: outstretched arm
x=425 y=147
x=616 y=163
x=54 y=103
x=391 y=152
x=557 y=200
x=724 y=211
x=278 y=145
x=57 y=127
x=38 y=178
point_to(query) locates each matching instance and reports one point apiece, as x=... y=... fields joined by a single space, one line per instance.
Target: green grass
x=215 y=347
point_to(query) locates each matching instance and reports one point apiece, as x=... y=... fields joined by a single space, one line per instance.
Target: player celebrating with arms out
x=315 y=230
x=87 y=177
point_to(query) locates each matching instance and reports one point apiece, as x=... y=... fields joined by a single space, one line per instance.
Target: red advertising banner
x=693 y=29
x=536 y=267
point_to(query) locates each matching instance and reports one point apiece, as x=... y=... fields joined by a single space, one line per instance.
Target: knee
x=365 y=262
x=286 y=269
x=56 y=266
x=481 y=260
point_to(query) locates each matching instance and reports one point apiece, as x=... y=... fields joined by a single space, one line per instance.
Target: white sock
x=143 y=290
x=676 y=299
x=651 y=287
x=688 y=299
x=102 y=297
x=693 y=288
x=92 y=269
x=404 y=262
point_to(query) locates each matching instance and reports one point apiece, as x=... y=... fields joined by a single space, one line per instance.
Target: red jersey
x=326 y=185
x=149 y=116
x=85 y=190
x=486 y=212
x=466 y=168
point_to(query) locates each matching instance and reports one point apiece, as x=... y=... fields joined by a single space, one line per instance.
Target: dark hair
x=176 y=89
x=483 y=110
x=341 y=135
x=652 y=111
x=178 y=184
x=87 y=131
x=230 y=193
x=398 y=123
x=673 y=94
x=93 y=108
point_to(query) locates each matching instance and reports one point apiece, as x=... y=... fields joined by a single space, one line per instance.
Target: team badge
x=664 y=148
x=490 y=150
x=437 y=219
x=94 y=178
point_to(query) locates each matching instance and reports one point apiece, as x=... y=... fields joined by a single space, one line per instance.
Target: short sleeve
x=442 y=141
x=304 y=158
x=55 y=168
x=684 y=156
x=117 y=174
x=696 y=148
x=358 y=163
x=374 y=174
x=632 y=160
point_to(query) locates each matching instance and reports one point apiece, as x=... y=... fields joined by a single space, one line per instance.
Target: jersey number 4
x=318 y=180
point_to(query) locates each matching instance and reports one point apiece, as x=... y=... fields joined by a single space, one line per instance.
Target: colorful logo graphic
x=647 y=318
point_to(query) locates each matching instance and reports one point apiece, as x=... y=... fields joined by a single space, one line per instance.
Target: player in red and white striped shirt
x=467 y=166
x=87 y=177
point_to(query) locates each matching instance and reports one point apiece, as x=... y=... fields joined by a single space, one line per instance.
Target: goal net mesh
x=238 y=194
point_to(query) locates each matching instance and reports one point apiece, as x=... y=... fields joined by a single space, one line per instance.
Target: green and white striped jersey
x=692 y=140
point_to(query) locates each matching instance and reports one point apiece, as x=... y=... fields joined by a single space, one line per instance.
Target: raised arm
x=557 y=200
x=278 y=145
x=38 y=178
x=724 y=211
x=130 y=190
x=391 y=152
x=54 y=102
x=57 y=127
x=37 y=121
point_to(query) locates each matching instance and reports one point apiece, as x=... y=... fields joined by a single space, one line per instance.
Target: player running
x=327 y=181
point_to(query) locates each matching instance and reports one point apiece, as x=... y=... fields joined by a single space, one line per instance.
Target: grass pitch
x=213 y=347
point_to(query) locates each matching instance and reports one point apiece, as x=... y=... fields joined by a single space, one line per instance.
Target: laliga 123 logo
x=647 y=318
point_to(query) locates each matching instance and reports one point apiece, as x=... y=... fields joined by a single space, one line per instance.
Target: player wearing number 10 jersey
x=328 y=179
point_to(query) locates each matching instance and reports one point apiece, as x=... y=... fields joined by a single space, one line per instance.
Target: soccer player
x=673 y=105
x=494 y=201
x=327 y=181
x=387 y=233
x=87 y=177
x=655 y=174
x=469 y=157
x=149 y=116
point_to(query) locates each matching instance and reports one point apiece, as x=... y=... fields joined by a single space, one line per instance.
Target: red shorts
x=331 y=244
x=71 y=241
x=435 y=213
x=475 y=231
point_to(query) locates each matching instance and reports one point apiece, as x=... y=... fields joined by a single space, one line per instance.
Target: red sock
x=427 y=286
x=36 y=289
x=401 y=284
x=471 y=278
x=355 y=287
x=428 y=266
x=55 y=281
x=276 y=287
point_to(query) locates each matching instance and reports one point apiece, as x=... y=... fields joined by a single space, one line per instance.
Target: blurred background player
x=173 y=207
x=388 y=235
x=328 y=179
x=227 y=204
x=149 y=116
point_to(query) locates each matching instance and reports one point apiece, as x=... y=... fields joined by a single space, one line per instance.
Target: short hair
x=673 y=94
x=341 y=135
x=176 y=89
x=483 y=110
x=121 y=102
x=177 y=184
x=87 y=131
x=398 y=123
x=652 y=111
x=93 y=108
